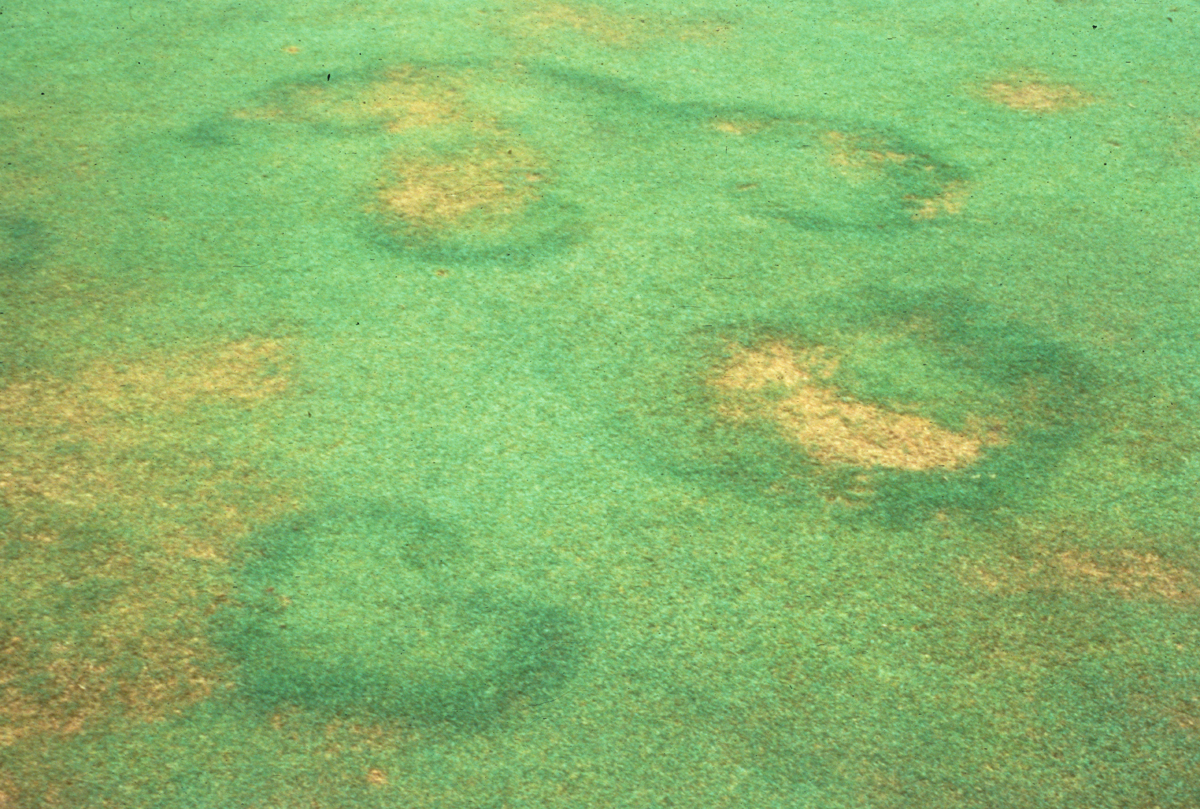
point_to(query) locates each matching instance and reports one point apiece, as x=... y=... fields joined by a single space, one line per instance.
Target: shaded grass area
x=365 y=610
x=439 y=501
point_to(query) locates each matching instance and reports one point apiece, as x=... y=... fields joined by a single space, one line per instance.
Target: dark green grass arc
x=887 y=203
x=670 y=413
x=368 y=608
x=22 y=239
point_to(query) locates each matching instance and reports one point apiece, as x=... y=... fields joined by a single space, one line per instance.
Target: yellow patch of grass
x=1125 y=572
x=120 y=439
x=608 y=27
x=403 y=98
x=949 y=202
x=1035 y=94
x=487 y=187
x=832 y=427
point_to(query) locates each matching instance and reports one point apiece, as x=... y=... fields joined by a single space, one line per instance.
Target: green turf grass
x=360 y=446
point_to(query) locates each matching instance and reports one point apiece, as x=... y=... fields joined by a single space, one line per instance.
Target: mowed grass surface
x=598 y=404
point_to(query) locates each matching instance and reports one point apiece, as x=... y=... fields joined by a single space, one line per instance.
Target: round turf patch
x=816 y=176
x=897 y=401
x=1030 y=92
x=452 y=183
x=489 y=196
x=368 y=608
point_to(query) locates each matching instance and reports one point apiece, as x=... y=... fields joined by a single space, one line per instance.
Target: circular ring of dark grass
x=548 y=224
x=363 y=608
x=1040 y=390
x=888 y=198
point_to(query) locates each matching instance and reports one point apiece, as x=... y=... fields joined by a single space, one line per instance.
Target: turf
x=599 y=404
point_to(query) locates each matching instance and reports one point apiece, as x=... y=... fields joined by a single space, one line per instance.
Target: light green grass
x=305 y=503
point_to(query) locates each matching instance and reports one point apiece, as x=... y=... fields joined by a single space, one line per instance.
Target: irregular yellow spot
x=1035 y=95
x=489 y=187
x=831 y=427
x=950 y=201
x=127 y=439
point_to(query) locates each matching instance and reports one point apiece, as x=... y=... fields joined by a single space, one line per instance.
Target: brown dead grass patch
x=1033 y=94
x=833 y=428
x=608 y=27
x=488 y=188
x=950 y=202
x=404 y=98
x=857 y=157
x=1125 y=572
x=594 y=21
x=728 y=127
x=76 y=689
x=864 y=159
x=97 y=406
x=127 y=440
x=861 y=160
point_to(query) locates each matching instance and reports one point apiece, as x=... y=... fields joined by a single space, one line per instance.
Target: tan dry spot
x=175 y=508
x=861 y=160
x=1034 y=95
x=75 y=690
x=593 y=21
x=849 y=151
x=1131 y=574
x=377 y=777
x=775 y=364
x=435 y=195
x=244 y=373
x=833 y=429
x=1128 y=573
x=738 y=127
x=404 y=98
x=609 y=28
x=949 y=202
x=356 y=737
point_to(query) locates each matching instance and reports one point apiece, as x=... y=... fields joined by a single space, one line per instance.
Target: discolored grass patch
x=730 y=126
x=74 y=442
x=822 y=178
x=787 y=389
x=121 y=508
x=478 y=189
x=858 y=155
x=1035 y=94
x=1128 y=573
x=607 y=27
x=893 y=403
x=403 y=98
x=591 y=20
x=950 y=202
x=450 y=179
x=494 y=197
x=861 y=159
